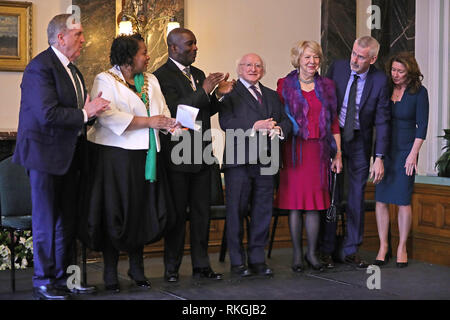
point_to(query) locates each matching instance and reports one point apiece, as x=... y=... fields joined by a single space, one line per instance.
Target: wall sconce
x=173 y=24
x=125 y=26
x=137 y=16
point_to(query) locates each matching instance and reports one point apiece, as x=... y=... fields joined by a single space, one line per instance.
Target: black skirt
x=120 y=204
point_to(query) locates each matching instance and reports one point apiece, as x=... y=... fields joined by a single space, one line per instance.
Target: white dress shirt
x=65 y=62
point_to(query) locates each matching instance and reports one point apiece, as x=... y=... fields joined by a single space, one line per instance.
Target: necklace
x=305 y=81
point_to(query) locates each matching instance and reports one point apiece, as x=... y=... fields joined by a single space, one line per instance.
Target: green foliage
x=23 y=250
x=443 y=163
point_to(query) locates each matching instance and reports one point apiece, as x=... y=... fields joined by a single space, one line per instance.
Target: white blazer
x=109 y=128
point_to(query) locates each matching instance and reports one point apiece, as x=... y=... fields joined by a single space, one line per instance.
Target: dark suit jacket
x=49 y=119
x=240 y=110
x=374 y=104
x=177 y=90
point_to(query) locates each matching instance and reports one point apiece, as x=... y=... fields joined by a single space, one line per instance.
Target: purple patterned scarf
x=297 y=109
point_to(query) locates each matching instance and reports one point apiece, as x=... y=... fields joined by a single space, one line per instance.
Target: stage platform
x=420 y=280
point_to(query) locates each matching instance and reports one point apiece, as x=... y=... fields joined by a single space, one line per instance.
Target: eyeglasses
x=250 y=65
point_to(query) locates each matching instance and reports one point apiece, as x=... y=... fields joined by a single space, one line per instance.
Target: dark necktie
x=349 y=126
x=78 y=89
x=258 y=95
x=187 y=74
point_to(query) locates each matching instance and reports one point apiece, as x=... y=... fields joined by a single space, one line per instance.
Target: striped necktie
x=258 y=95
x=187 y=74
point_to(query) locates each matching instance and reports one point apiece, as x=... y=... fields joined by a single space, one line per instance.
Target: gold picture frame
x=15 y=35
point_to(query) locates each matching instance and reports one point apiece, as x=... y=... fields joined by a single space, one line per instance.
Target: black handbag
x=332 y=210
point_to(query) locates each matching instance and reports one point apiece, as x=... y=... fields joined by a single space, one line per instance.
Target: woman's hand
x=411 y=163
x=336 y=164
x=161 y=122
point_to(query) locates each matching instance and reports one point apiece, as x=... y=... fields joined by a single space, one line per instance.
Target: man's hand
x=161 y=122
x=225 y=86
x=276 y=131
x=267 y=124
x=377 y=171
x=211 y=81
x=96 y=106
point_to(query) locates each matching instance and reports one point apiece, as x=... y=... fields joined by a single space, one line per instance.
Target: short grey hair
x=57 y=25
x=238 y=62
x=368 y=41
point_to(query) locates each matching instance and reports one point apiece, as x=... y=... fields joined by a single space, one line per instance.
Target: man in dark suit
x=50 y=140
x=254 y=120
x=190 y=179
x=363 y=103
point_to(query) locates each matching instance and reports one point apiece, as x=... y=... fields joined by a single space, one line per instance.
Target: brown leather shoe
x=356 y=261
x=327 y=261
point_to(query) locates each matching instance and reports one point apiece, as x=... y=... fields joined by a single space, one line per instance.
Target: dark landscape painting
x=9 y=31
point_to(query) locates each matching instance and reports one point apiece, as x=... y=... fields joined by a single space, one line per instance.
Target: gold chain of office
x=143 y=91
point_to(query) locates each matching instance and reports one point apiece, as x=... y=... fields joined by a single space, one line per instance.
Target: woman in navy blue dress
x=409 y=105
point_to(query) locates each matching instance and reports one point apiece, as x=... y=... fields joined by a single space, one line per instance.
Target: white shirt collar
x=248 y=85
x=179 y=65
x=64 y=60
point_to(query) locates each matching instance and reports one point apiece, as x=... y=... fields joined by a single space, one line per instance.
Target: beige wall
x=226 y=30
x=42 y=12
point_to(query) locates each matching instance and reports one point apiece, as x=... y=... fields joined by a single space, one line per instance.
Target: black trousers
x=193 y=190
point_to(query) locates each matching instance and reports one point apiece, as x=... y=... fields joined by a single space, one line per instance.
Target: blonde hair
x=298 y=49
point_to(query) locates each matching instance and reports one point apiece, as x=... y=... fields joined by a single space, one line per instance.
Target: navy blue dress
x=409 y=121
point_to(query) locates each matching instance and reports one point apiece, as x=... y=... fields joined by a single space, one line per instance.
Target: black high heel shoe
x=382 y=262
x=140 y=283
x=402 y=264
x=317 y=267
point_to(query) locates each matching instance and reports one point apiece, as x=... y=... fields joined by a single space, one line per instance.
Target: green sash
x=150 y=161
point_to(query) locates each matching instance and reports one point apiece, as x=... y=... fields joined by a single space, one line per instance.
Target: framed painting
x=15 y=35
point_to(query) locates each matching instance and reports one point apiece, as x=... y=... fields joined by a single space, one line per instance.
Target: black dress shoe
x=113 y=287
x=207 y=273
x=241 y=270
x=377 y=262
x=402 y=264
x=143 y=283
x=76 y=290
x=298 y=268
x=317 y=266
x=48 y=293
x=356 y=261
x=327 y=261
x=171 y=276
x=261 y=269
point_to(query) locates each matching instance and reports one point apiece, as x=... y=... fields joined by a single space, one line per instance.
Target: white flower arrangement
x=23 y=250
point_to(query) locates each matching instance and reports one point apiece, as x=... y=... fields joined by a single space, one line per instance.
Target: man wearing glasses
x=254 y=119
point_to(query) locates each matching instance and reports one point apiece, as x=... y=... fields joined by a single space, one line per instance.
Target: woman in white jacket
x=126 y=189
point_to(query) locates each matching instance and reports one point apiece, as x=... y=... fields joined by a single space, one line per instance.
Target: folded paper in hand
x=186 y=116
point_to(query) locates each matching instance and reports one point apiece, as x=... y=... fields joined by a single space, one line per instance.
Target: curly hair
x=414 y=75
x=124 y=48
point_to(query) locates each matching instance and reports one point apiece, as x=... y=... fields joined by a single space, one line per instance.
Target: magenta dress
x=305 y=185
